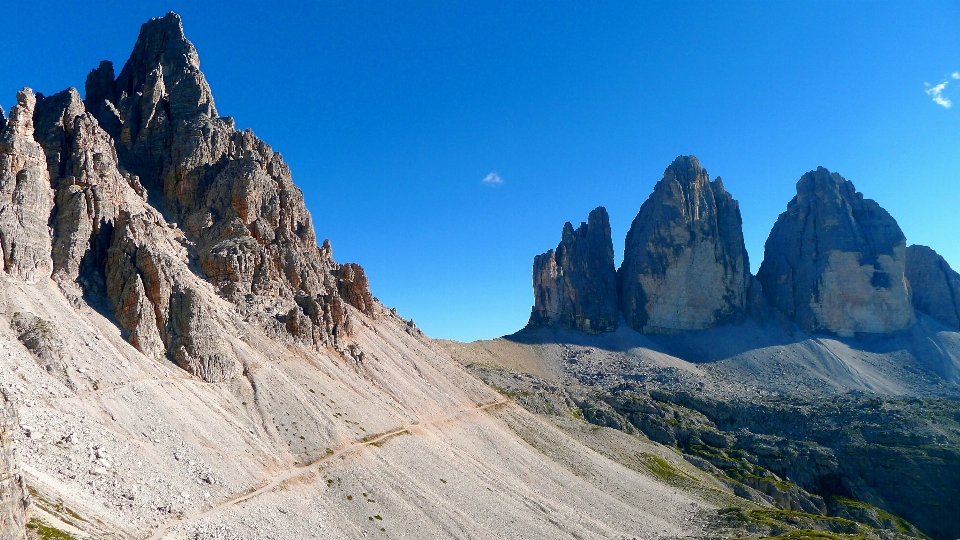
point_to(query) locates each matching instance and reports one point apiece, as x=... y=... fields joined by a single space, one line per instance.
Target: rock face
x=146 y=146
x=575 y=286
x=14 y=500
x=685 y=266
x=25 y=195
x=834 y=261
x=935 y=286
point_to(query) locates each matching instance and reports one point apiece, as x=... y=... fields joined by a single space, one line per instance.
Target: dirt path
x=304 y=469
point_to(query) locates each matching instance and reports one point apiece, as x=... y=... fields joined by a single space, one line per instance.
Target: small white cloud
x=936 y=92
x=955 y=74
x=492 y=179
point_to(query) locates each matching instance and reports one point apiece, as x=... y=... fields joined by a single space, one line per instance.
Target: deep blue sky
x=391 y=114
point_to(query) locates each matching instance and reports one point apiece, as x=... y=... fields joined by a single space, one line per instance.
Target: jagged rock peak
x=163 y=54
x=935 y=286
x=685 y=266
x=575 y=286
x=834 y=261
x=146 y=148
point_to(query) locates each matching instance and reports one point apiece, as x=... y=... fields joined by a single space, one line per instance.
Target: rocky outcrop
x=25 y=196
x=834 y=261
x=232 y=195
x=935 y=286
x=14 y=501
x=575 y=286
x=149 y=195
x=685 y=266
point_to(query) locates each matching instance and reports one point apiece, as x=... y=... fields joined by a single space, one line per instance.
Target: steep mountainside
x=816 y=389
x=183 y=360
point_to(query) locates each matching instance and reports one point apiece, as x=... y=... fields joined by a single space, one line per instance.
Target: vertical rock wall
x=834 y=261
x=685 y=266
x=575 y=286
x=14 y=500
x=935 y=286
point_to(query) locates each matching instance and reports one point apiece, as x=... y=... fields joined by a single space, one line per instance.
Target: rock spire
x=575 y=285
x=684 y=266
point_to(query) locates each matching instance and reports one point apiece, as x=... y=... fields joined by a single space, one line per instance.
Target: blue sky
x=392 y=114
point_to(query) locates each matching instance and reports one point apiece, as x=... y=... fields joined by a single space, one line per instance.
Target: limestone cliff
x=935 y=286
x=575 y=286
x=834 y=261
x=25 y=196
x=156 y=205
x=14 y=501
x=685 y=266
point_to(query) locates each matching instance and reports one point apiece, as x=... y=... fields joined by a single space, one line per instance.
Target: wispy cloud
x=936 y=92
x=492 y=179
x=955 y=74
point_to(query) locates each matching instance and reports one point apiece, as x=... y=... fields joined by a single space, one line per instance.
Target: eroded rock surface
x=935 y=286
x=575 y=286
x=685 y=266
x=834 y=261
x=150 y=197
x=14 y=500
x=25 y=196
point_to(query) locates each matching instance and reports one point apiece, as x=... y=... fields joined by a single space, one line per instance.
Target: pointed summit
x=685 y=266
x=164 y=55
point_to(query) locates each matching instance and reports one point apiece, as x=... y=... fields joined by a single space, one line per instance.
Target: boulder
x=935 y=286
x=575 y=285
x=834 y=261
x=685 y=266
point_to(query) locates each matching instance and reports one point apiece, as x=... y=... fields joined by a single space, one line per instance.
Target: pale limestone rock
x=26 y=198
x=685 y=266
x=834 y=261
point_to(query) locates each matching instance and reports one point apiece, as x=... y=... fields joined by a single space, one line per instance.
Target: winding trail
x=311 y=467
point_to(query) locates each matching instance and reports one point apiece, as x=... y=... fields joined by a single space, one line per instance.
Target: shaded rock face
x=142 y=201
x=25 y=196
x=14 y=500
x=834 y=261
x=935 y=286
x=575 y=286
x=685 y=266
x=232 y=195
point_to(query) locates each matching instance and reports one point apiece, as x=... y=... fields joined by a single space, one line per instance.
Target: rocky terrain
x=180 y=357
x=824 y=390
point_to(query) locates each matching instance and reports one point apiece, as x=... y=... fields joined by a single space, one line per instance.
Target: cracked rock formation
x=142 y=201
x=685 y=266
x=834 y=261
x=575 y=286
x=25 y=195
x=14 y=501
x=935 y=286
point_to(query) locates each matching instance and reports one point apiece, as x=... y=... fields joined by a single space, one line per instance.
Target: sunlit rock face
x=575 y=286
x=834 y=261
x=685 y=266
x=935 y=286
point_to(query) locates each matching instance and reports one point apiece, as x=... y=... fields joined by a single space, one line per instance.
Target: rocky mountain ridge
x=835 y=262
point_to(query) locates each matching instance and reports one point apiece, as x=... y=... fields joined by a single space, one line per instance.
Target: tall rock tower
x=685 y=266
x=576 y=286
x=834 y=261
